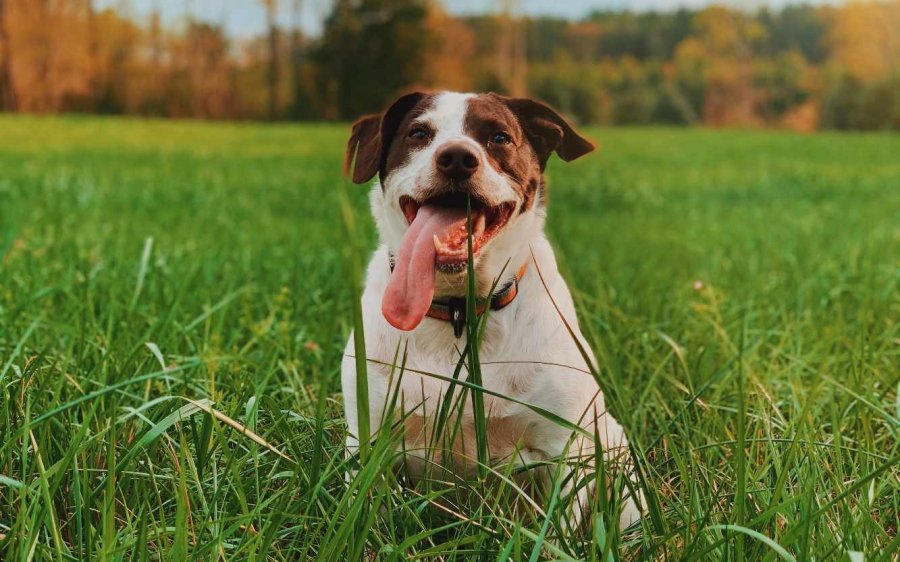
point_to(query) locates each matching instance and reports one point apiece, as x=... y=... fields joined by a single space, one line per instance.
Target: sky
x=245 y=18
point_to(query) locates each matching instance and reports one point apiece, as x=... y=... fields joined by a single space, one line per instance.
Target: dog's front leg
x=348 y=388
x=579 y=476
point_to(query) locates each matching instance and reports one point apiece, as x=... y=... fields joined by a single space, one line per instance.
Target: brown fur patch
x=487 y=115
x=377 y=142
x=536 y=131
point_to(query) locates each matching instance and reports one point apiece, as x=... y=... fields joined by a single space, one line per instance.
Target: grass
x=174 y=302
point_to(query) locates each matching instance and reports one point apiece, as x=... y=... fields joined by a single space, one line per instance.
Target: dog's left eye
x=500 y=138
x=419 y=133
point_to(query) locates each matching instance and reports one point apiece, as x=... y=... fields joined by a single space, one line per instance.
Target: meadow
x=175 y=297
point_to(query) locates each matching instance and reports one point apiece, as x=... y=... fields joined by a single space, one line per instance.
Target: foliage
x=370 y=50
x=166 y=288
x=716 y=66
x=853 y=104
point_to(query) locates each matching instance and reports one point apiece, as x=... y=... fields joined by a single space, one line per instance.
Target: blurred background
x=747 y=64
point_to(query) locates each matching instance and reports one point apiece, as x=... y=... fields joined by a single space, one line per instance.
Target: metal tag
x=457 y=315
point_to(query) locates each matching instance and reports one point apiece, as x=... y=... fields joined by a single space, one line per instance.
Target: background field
x=726 y=280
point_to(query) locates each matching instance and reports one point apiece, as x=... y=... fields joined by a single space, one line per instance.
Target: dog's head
x=433 y=153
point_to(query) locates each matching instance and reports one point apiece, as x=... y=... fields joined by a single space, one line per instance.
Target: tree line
x=801 y=67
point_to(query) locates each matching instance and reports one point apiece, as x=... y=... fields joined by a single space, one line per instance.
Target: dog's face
x=435 y=152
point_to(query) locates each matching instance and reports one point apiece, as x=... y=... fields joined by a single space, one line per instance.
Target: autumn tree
x=210 y=88
x=450 y=52
x=46 y=60
x=7 y=88
x=721 y=49
x=864 y=38
x=273 y=70
x=116 y=44
x=510 y=54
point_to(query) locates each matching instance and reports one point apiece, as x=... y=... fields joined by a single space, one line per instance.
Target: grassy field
x=168 y=288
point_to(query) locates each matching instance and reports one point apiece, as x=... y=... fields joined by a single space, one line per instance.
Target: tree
x=722 y=49
x=297 y=53
x=865 y=38
x=46 y=58
x=7 y=88
x=115 y=43
x=796 y=28
x=583 y=40
x=450 y=52
x=273 y=74
x=785 y=80
x=511 y=60
x=370 y=51
x=543 y=36
x=210 y=89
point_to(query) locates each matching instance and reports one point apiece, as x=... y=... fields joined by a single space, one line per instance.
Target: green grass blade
x=784 y=554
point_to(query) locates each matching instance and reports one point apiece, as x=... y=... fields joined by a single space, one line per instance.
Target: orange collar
x=453 y=310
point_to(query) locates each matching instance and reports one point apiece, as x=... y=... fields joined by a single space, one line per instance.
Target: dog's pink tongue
x=411 y=287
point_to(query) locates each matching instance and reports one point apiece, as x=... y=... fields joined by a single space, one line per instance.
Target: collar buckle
x=457 y=308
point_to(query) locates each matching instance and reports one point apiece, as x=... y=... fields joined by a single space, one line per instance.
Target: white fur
x=527 y=352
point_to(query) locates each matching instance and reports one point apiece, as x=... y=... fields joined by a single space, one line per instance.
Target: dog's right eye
x=419 y=133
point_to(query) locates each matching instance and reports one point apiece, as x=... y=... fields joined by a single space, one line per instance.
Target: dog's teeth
x=478 y=224
x=439 y=246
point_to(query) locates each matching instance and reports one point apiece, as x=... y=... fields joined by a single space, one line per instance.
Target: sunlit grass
x=175 y=299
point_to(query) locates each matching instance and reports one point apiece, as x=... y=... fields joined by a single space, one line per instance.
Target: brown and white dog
x=430 y=152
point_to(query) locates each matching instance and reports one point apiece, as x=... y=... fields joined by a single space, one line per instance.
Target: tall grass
x=180 y=398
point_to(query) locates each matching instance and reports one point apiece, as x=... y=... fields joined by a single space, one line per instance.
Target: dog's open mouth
x=436 y=240
x=451 y=235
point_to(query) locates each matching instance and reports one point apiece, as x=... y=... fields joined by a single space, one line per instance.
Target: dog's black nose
x=456 y=161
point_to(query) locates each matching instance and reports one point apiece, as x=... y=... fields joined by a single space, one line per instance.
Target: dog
x=435 y=155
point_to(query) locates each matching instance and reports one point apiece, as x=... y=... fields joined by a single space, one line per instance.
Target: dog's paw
x=632 y=511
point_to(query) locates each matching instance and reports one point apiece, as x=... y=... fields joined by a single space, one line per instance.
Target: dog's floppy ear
x=547 y=131
x=363 y=150
x=371 y=136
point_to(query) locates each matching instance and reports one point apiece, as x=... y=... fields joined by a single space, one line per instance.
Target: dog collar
x=453 y=310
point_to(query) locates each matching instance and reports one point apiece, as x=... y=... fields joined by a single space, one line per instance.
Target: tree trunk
x=7 y=88
x=156 y=41
x=271 y=9
x=297 y=56
x=511 y=50
x=96 y=80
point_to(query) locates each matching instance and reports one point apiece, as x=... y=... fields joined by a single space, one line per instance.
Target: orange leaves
x=448 y=64
x=48 y=56
x=864 y=38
